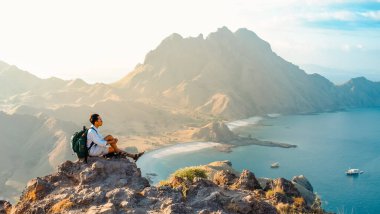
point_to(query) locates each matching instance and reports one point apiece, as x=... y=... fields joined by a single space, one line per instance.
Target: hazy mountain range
x=183 y=82
x=341 y=76
x=31 y=146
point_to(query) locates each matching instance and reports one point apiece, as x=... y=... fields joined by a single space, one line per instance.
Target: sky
x=101 y=41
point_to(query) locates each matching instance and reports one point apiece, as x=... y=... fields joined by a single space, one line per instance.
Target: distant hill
x=233 y=75
x=14 y=81
x=31 y=146
x=74 y=100
x=341 y=76
x=121 y=117
x=18 y=87
x=360 y=92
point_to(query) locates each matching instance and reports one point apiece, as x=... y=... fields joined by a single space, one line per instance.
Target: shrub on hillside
x=181 y=178
x=189 y=173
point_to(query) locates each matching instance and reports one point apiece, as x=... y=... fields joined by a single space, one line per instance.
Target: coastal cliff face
x=116 y=186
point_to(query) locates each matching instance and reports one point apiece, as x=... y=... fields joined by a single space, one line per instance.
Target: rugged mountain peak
x=221 y=33
x=173 y=37
x=3 y=64
x=76 y=83
x=171 y=40
x=359 y=81
x=12 y=72
x=233 y=75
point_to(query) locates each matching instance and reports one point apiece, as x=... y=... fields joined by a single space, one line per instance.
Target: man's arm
x=96 y=139
x=110 y=139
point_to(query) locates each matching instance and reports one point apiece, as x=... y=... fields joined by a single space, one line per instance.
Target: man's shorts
x=97 y=150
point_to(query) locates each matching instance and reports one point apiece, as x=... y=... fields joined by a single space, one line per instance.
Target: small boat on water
x=275 y=165
x=354 y=172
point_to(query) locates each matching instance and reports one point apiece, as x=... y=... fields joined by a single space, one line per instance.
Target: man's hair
x=94 y=118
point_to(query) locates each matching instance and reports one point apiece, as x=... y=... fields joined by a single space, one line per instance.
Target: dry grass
x=270 y=193
x=298 y=202
x=291 y=209
x=31 y=195
x=164 y=183
x=60 y=206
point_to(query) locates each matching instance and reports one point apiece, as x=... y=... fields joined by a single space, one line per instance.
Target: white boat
x=275 y=165
x=353 y=172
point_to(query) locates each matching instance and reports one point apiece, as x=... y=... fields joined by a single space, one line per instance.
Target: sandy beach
x=136 y=143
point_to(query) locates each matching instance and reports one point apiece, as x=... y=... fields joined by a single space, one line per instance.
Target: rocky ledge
x=116 y=186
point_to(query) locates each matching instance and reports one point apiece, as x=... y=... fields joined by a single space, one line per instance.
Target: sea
x=328 y=144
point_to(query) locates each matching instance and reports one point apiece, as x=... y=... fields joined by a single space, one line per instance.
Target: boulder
x=302 y=180
x=286 y=186
x=224 y=177
x=265 y=183
x=178 y=208
x=306 y=194
x=5 y=207
x=249 y=204
x=247 y=181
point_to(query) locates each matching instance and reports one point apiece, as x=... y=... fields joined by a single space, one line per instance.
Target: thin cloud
x=325 y=16
x=374 y=15
x=343 y=16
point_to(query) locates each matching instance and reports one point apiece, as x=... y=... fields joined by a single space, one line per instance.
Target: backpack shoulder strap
x=92 y=143
x=94 y=129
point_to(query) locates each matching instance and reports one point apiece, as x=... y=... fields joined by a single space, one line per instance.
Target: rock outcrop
x=247 y=181
x=99 y=186
x=215 y=132
x=5 y=207
x=116 y=186
x=302 y=180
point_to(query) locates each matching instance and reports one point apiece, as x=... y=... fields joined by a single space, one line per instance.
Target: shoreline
x=135 y=143
x=227 y=147
x=138 y=144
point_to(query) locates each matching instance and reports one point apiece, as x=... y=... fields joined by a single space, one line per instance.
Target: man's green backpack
x=79 y=143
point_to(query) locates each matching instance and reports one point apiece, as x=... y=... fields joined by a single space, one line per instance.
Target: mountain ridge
x=235 y=75
x=36 y=146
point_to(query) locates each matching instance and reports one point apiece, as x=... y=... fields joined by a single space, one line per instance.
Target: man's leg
x=109 y=138
x=114 y=146
x=113 y=141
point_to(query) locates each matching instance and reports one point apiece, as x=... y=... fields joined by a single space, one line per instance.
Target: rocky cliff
x=116 y=186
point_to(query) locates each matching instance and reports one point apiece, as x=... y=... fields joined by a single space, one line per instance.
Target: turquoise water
x=328 y=144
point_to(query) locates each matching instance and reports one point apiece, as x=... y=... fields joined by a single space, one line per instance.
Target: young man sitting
x=99 y=145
